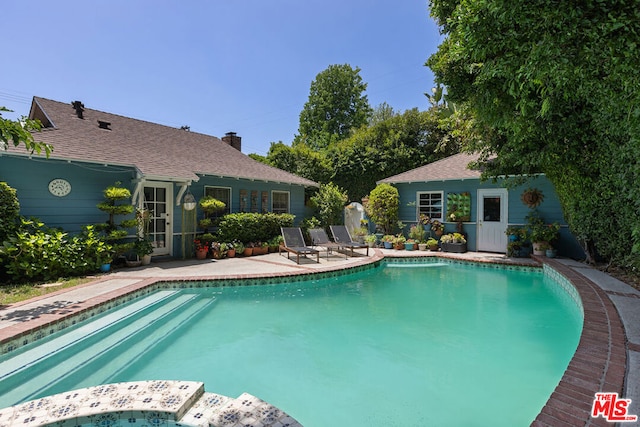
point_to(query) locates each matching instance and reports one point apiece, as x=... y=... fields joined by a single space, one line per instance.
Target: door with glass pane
x=492 y=220
x=158 y=199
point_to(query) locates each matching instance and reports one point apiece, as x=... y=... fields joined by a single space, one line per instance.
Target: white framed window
x=279 y=201
x=221 y=193
x=430 y=203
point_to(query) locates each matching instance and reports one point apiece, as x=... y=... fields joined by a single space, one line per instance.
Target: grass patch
x=11 y=294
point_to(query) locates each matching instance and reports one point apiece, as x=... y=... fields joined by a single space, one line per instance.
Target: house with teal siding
x=160 y=165
x=448 y=188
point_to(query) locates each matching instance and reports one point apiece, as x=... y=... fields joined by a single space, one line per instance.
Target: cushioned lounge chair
x=294 y=244
x=342 y=237
x=320 y=239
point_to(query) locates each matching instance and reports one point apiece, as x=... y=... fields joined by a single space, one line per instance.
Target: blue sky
x=221 y=65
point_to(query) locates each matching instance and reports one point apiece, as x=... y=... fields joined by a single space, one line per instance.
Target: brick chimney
x=233 y=140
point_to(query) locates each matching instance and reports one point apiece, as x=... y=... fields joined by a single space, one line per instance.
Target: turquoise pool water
x=440 y=344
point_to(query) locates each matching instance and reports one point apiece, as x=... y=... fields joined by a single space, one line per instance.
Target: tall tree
x=335 y=107
x=300 y=160
x=20 y=132
x=553 y=88
x=397 y=144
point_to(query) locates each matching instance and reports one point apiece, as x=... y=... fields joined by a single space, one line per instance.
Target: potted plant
x=359 y=233
x=437 y=227
x=551 y=252
x=513 y=233
x=417 y=233
x=231 y=249
x=453 y=242
x=248 y=249
x=217 y=250
x=143 y=249
x=104 y=255
x=540 y=232
x=275 y=242
x=370 y=239
x=432 y=244
x=409 y=245
x=202 y=248
x=398 y=242
x=387 y=241
x=239 y=247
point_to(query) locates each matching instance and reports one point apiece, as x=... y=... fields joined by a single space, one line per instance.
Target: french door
x=158 y=199
x=492 y=220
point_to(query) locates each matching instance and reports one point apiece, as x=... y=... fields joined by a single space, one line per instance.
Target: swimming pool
x=404 y=344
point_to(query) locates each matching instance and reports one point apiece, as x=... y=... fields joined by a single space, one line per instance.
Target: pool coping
x=600 y=363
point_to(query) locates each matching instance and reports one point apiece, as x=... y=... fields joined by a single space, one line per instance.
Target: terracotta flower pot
x=201 y=254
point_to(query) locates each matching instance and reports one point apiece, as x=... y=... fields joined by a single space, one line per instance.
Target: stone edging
x=599 y=363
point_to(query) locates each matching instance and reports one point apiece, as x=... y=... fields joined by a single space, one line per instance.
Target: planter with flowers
x=437 y=227
x=453 y=242
x=202 y=248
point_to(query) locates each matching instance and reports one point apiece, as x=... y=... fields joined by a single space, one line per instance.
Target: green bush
x=329 y=203
x=9 y=210
x=252 y=227
x=39 y=253
x=383 y=207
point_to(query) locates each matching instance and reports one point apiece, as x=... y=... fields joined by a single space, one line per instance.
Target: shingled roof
x=156 y=151
x=450 y=168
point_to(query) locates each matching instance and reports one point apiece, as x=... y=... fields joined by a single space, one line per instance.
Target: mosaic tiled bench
x=153 y=403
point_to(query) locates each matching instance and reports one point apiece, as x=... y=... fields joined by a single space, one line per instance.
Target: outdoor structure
x=160 y=165
x=449 y=191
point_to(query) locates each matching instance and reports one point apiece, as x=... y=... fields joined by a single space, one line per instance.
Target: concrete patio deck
x=607 y=358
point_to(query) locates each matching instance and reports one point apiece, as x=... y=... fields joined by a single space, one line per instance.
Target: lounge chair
x=294 y=244
x=342 y=237
x=320 y=239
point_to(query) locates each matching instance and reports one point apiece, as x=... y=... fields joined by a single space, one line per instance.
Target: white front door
x=492 y=220
x=158 y=199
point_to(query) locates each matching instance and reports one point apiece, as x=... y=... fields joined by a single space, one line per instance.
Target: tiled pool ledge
x=599 y=364
x=150 y=403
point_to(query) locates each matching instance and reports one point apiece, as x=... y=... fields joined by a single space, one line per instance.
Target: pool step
x=46 y=371
x=126 y=352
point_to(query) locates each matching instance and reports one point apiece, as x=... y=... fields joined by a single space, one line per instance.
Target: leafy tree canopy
x=335 y=107
x=300 y=160
x=394 y=145
x=19 y=132
x=552 y=87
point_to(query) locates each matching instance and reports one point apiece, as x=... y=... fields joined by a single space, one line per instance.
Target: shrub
x=9 y=210
x=252 y=227
x=39 y=253
x=329 y=203
x=383 y=206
